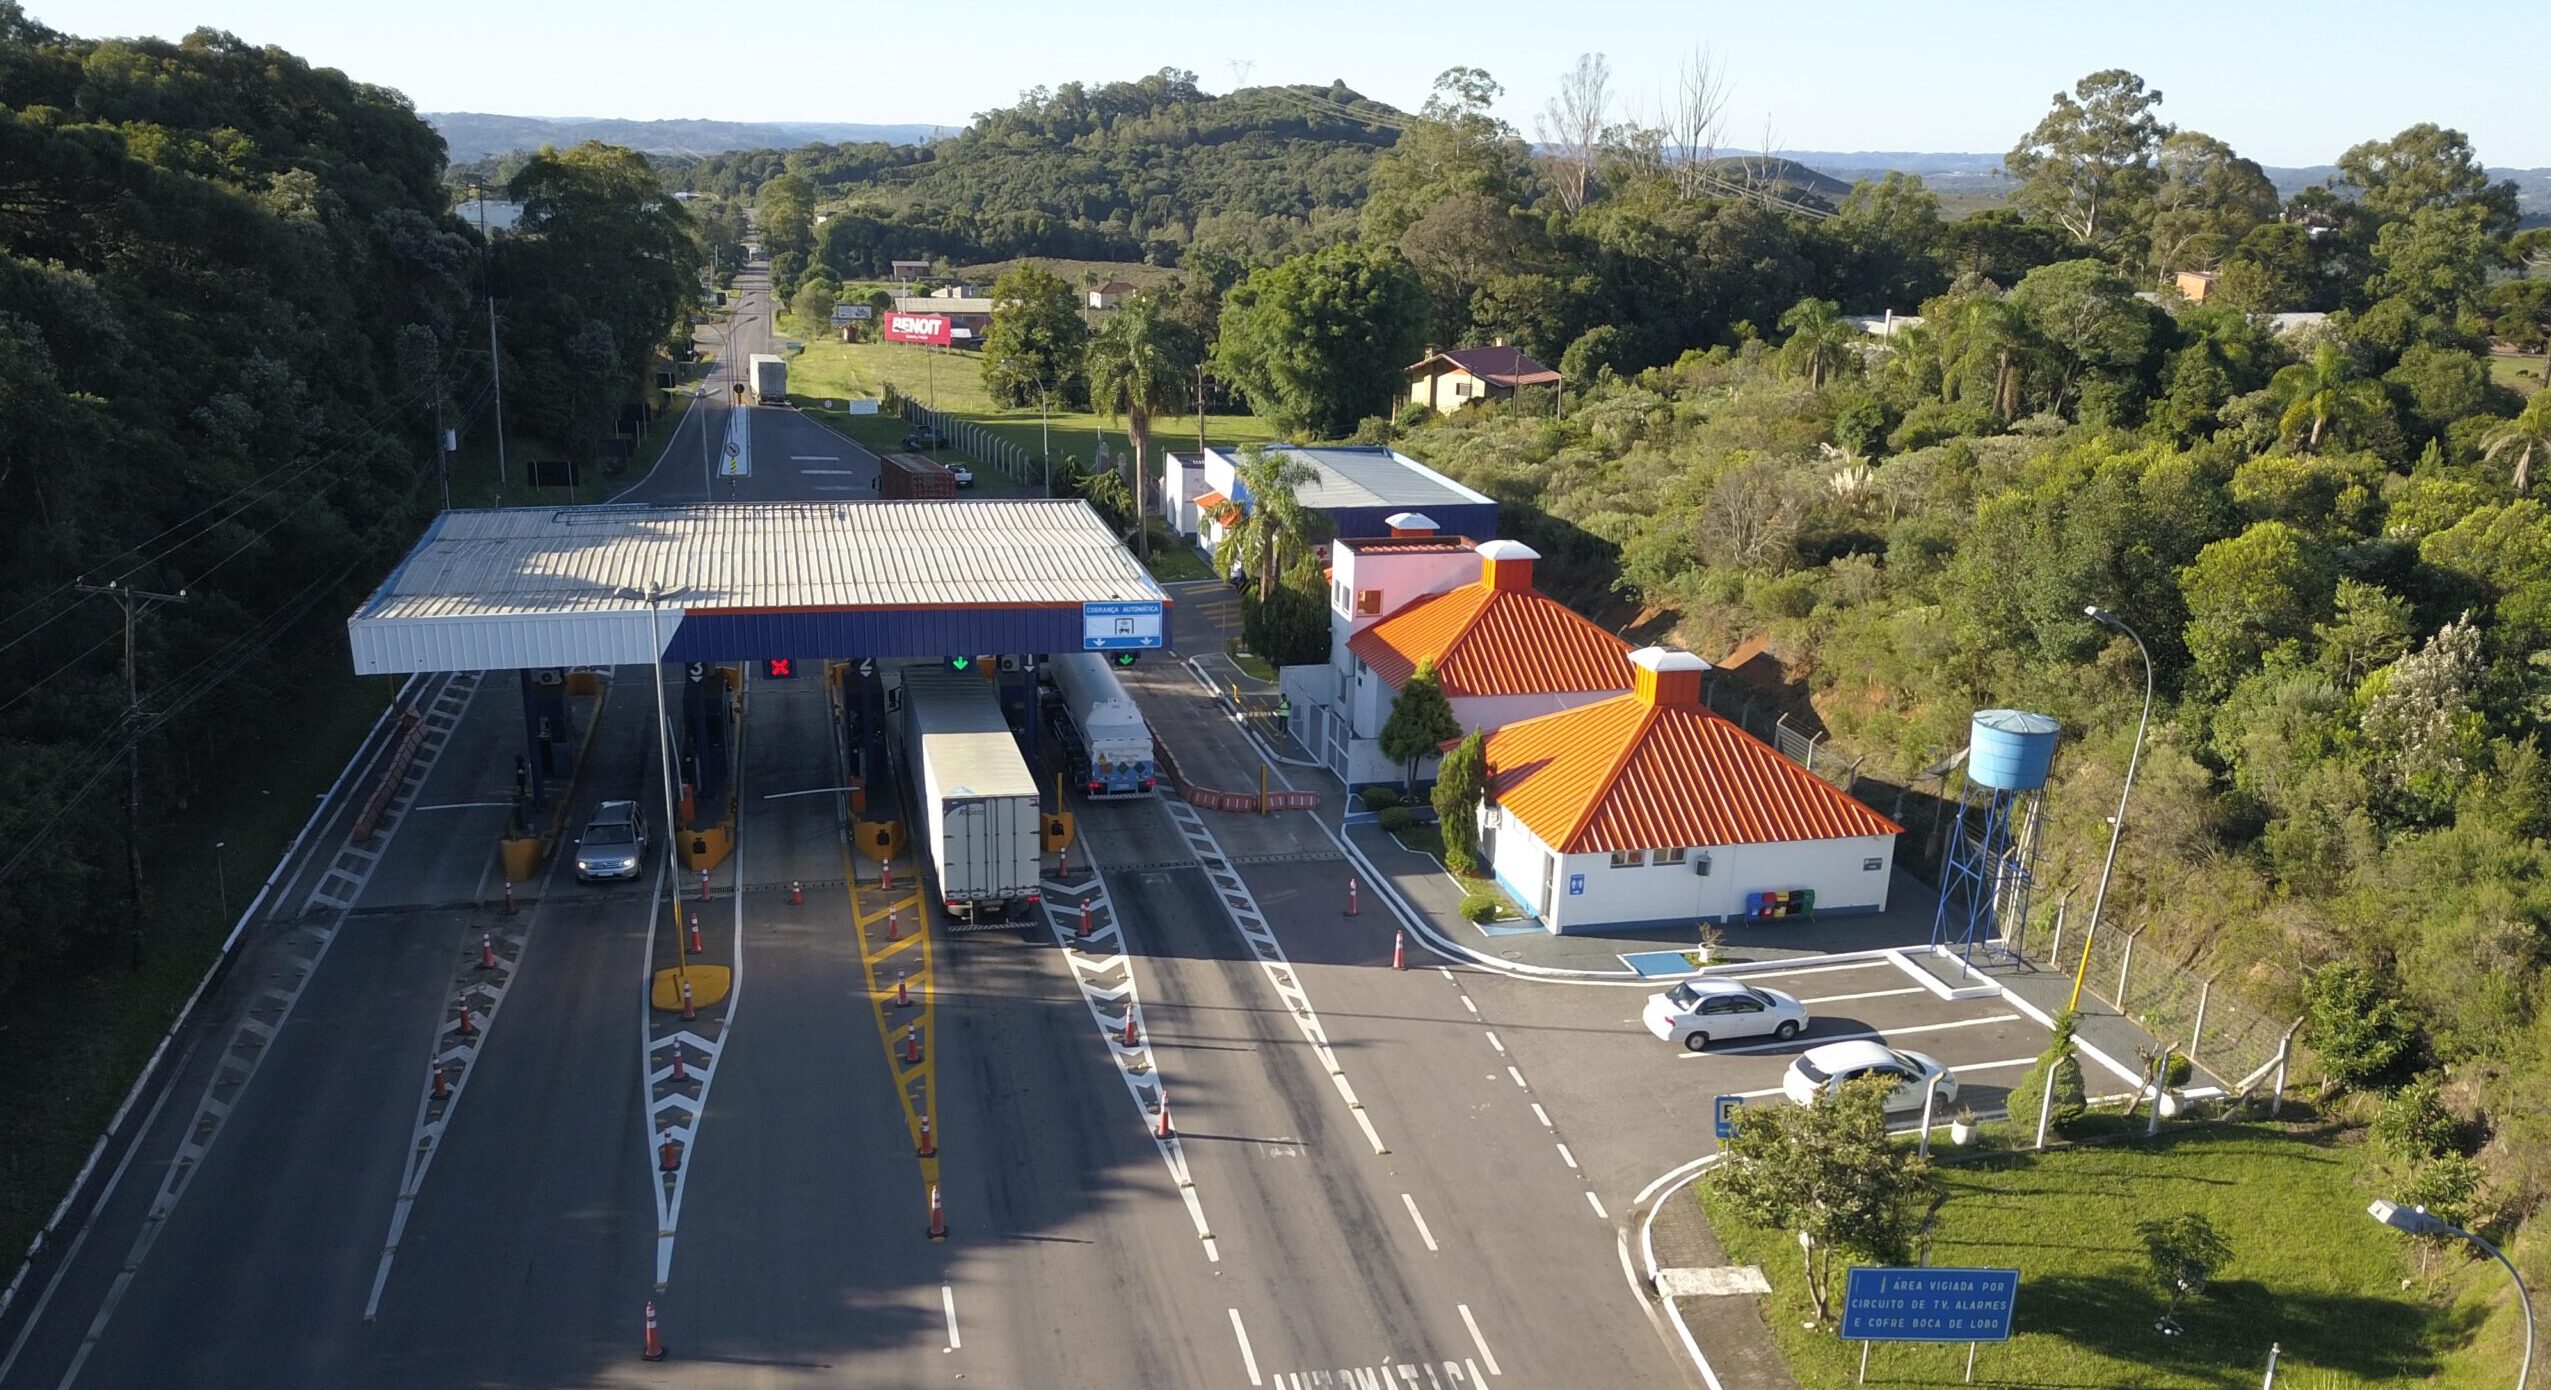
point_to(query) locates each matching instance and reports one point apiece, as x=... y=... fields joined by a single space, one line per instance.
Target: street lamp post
x=655 y=594
x=2417 y=1222
x=221 y=880
x=2117 y=826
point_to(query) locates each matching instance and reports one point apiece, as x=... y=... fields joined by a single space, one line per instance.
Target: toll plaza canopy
x=530 y=587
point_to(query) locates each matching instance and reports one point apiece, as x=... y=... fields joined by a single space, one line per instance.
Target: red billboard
x=917 y=328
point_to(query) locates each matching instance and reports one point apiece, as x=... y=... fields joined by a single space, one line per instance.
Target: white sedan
x=1696 y=1012
x=1821 y=1070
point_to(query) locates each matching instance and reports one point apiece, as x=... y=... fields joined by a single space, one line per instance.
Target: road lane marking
x=813 y=458
x=1423 y=1233
x=1600 y=1214
x=1567 y=1157
x=1994 y=1066
x=948 y=1301
x=1880 y=1034
x=460 y=805
x=1866 y=994
x=1474 y=1008
x=1445 y=971
x=1517 y=1075
x=1542 y=1115
x=1486 y=1357
x=1248 y=1358
x=1492 y=1042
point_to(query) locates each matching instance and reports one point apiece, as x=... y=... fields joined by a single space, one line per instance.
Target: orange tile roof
x=1214 y=504
x=1487 y=641
x=1625 y=774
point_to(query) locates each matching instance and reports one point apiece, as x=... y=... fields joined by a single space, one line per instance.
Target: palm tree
x=1275 y=519
x=1990 y=333
x=2527 y=435
x=2324 y=398
x=1818 y=337
x=1138 y=365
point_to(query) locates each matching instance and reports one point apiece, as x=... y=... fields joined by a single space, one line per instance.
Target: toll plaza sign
x=1108 y=627
x=919 y=328
x=1929 y=1305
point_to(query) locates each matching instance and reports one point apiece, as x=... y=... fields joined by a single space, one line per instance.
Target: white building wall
x=1668 y=895
x=1484 y=712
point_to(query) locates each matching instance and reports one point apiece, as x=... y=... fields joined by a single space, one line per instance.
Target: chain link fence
x=2206 y=1022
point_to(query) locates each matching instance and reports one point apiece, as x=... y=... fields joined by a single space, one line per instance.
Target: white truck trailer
x=976 y=815
x=1115 y=748
x=769 y=378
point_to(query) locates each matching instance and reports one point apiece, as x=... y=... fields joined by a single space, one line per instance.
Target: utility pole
x=495 y=358
x=1200 y=407
x=127 y=596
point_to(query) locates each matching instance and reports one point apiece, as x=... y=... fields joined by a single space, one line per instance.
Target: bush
x=2071 y=1100
x=1482 y=907
x=2414 y=1125
x=2179 y=1071
x=1460 y=860
x=2355 y=1019
x=1398 y=818
x=1380 y=798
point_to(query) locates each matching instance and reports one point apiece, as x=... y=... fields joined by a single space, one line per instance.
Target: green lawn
x=2522 y=375
x=2309 y=1270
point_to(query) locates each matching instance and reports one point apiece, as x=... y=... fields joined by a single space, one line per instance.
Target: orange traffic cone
x=668 y=1156
x=704 y=885
x=689 y=1014
x=894 y=928
x=1399 y=950
x=486 y=950
x=509 y=897
x=1130 y=1039
x=1350 y=898
x=886 y=875
x=1163 y=1131
x=679 y=1075
x=912 y=1045
x=469 y=1026
x=796 y=893
x=903 y=997
x=442 y=1083
x=655 y=1342
x=1084 y=931
x=929 y=1147
x=938 y=1215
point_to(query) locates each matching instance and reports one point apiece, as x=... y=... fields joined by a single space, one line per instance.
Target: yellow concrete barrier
x=709 y=985
x=583 y=682
x=707 y=848
x=1059 y=830
x=522 y=856
x=880 y=839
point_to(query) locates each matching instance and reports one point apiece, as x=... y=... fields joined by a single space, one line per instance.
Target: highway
x=1362 y=1183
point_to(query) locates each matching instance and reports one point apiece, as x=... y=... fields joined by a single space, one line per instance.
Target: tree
x=2523 y=439
x=1290 y=626
x=2274 y=269
x=2092 y=332
x=1138 y=366
x=1318 y=343
x=1891 y=236
x=2325 y=398
x=1273 y=519
x=1456 y=145
x=2087 y=167
x=1037 y=339
x=2435 y=260
x=813 y=306
x=1820 y=339
x=1571 y=127
x=2208 y=199
x=2251 y=594
x=2356 y=1021
x=2183 y=1252
x=1421 y=722
x=1461 y=782
x=1828 y=1172
x=2061 y=1061
x=2425 y=167
x=1461 y=244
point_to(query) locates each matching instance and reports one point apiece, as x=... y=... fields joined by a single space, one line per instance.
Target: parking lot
x=1641 y=1104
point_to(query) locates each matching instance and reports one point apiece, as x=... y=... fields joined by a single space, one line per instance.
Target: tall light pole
x=2117 y=825
x=221 y=880
x=2416 y=1221
x=655 y=594
x=495 y=359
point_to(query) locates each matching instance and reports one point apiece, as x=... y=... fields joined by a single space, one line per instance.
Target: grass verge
x=2309 y=1270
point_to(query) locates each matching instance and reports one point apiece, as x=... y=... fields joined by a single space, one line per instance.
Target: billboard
x=917 y=328
x=1928 y=1304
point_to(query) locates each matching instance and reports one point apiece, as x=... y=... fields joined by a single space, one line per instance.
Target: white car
x=1824 y=1069
x=1697 y=1012
x=964 y=474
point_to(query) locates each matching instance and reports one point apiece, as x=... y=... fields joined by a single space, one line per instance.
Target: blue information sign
x=1929 y=1305
x=1109 y=627
x=1724 y=1108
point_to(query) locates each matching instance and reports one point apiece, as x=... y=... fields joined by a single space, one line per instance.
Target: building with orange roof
x=1650 y=809
x=1503 y=650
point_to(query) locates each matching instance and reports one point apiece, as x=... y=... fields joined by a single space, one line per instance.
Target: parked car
x=614 y=844
x=1696 y=1013
x=1823 y=1069
x=963 y=474
x=923 y=438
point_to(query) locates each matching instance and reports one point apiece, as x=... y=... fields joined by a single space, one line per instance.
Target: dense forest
x=234 y=307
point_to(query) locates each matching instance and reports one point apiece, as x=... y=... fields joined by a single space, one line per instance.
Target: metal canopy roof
x=532 y=587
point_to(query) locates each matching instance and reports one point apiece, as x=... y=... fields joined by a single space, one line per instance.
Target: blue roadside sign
x=1724 y=1110
x=1881 y=1304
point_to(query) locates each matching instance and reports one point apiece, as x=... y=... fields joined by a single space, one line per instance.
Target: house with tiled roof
x=1650 y=809
x=1503 y=650
x=1447 y=381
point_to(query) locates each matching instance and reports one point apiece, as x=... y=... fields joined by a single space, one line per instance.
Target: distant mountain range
x=1982 y=173
x=473 y=135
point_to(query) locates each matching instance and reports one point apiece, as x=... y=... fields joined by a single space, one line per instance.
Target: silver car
x=614 y=844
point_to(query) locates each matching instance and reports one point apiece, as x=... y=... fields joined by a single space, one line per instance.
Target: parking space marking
x=1854 y=1037
x=1958 y=1071
x=1866 y=994
x=1422 y=1233
x=1880 y=964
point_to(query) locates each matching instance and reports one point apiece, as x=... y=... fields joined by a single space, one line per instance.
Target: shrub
x=2355 y=1020
x=2179 y=1071
x=2071 y=1100
x=1380 y=798
x=1398 y=818
x=1482 y=907
x=2414 y=1125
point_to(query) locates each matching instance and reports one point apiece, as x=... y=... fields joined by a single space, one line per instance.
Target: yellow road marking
x=916 y=1085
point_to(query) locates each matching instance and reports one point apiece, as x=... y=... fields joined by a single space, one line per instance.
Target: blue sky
x=2286 y=83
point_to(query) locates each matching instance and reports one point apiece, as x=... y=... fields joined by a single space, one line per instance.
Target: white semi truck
x=1114 y=753
x=976 y=814
x=769 y=378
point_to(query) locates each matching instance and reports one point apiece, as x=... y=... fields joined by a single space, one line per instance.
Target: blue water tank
x=2010 y=749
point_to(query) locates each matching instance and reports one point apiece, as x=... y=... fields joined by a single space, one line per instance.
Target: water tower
x=1992 y=854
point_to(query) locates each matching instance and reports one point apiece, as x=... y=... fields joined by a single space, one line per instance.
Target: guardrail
x=411 y=733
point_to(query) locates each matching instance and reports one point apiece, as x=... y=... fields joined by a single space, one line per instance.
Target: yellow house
x=2194 y=285
x=1447 y=381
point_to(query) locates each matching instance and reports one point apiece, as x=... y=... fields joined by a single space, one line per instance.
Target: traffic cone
x=704 y=885
x=929 y=1147
x=894 y=928
x=1350 y=898
x=1399 y=950
x=695 y=933
x=442 y=1083
x=1163 y=1131
x=1129 y=1026
x=469 y=1026
x=668 y=1156
x=912 y=1045
x=796 y=893
x=885 y=875
x=509 y=897
x=1063 y=863
x=689 y=1014
x=903 y=997
x=655 y=1342
x=938 y=1215
x=486 y=950
x=679 y=1075
x=1084 y=931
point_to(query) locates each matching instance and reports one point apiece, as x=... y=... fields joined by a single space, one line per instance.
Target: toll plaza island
x=849 y=592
